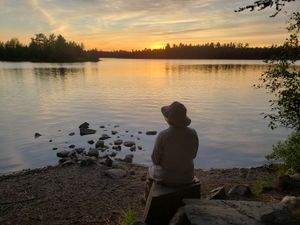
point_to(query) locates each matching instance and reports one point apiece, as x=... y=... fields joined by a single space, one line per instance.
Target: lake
x=126 y=95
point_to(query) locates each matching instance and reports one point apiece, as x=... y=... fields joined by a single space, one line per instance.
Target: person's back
x=174 y=150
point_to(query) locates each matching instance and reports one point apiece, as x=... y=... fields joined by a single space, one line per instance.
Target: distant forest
x=46 y=49
x=54 y=48
x=204 y=51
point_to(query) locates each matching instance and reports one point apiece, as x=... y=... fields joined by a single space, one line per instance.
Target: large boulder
x=239 y=192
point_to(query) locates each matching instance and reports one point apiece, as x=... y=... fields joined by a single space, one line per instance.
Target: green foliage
x=258 y=186
x=282 y=79
x=127 y=217
x=288 y=151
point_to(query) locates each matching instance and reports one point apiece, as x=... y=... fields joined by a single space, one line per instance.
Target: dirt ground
x=85 y=195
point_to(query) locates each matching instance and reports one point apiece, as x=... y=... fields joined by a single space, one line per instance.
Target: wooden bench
x=163 y=201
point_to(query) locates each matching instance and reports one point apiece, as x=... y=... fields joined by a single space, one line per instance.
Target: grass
x=127 y=216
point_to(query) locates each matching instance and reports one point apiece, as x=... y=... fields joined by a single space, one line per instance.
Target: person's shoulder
x=192 y=130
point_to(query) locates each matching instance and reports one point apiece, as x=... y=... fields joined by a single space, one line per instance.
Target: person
x=174 y=150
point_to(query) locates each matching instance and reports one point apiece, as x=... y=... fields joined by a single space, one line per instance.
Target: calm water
x=54 y=99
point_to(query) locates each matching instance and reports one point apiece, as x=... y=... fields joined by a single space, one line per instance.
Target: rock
x=54 y=148
x=296 y=176
x=37 y=135
x=104 y=137
x=108 y=161
x=117 y=147
x=50 y=140
x=140 y=132
x=67 y=163
x=79 y=150
x=91 y=142
x=99 y=144
x=140 y=147
x=286 y=183
x=118 y=142
x=71 y=146
x=131 y=135
x=151 y=132
x=93 y=152
x=102 y=126
x=291 y=202
x=128 y=158
x=115 y=126
x=219 y=212
x=72 y=134
x=85 y=125
x=133 y=148
x=86 y=131
x=179 y=218
x=126 y=131
x=62 y=154
x=129 y=143
x=113 y=154
x=87 y=160
x=239 y=191
x=115 y=173
x=218 y=193
x=62 y=160
x=113 y=132
x=72 y=153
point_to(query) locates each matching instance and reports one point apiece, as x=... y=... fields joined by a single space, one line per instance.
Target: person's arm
x=196 y=144
x=157 y=150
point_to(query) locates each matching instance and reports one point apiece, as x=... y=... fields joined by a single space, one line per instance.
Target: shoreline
x=97 y=193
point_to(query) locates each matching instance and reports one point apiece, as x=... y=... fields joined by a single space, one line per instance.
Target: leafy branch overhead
x=263 y=4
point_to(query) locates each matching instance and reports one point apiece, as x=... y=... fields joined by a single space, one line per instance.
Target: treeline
x=44 y=48
x=204 y=51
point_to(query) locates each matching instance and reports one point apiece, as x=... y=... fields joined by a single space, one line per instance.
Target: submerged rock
x=91 y=142
x=86 y=131
x=84 y=125
x=151 y=132
x=37 y=135
x=72 y=134
x=129 y=143
x=71 y=146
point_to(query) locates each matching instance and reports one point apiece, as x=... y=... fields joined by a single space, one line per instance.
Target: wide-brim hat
x=175 y=114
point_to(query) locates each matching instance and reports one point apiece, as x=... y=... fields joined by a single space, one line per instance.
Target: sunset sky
x=139 y=24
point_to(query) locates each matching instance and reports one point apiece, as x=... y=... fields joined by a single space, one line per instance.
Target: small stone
x=128 y=158
x=102 y=126
x=129 y=143
x=79 y=150
x=140 y=147
x=91 y=142
x=138 y=138
x=116 y=173
x=140 y=132
x=131 y=135
x=62 y=154
x=72 y=153
x=86 y=161
x=67 y=163
x=151 y=132
x=126 y=131
x=115 y=126
x=72 y=134
x=118 y=142
x=50 y=140
x=133 y=148
x=113 y=132
x=71 y=146
x=84 y=125
x=218 y=193
x=93 y=152
x=99 y=144
x=37 y=135
x=54 y=148
x=86 y=131
x=104 y=137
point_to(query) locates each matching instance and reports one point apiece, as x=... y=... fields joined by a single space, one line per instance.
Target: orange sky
x=139 y=24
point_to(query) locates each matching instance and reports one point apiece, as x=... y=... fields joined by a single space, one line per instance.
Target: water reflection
x=48 y=97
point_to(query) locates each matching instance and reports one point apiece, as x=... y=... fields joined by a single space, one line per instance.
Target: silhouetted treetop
x=263 y=4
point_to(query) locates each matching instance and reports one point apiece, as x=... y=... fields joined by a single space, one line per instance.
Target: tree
x=263 y=4
x=283 y=80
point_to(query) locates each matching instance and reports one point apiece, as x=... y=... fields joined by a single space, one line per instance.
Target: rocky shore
x=97 y=193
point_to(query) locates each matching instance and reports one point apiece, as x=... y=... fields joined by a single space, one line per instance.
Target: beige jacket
x=173 y=154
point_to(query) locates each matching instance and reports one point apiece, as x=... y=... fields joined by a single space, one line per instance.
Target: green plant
x=288 y=152
x=258 y=186
x=127 y=216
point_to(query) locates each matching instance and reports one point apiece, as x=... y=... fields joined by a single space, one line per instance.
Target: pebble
x=140 y=147
x=62 y=154
x=50 y=140
x=104 y=137
x=113 y=132
x=102 y=126
x=71 y=146
x=72 y=134
x=54 y=148
x=133 y=148
x=99 y=144
x=118 y=142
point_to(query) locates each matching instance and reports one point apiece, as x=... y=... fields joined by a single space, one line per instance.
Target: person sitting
x=174 y=150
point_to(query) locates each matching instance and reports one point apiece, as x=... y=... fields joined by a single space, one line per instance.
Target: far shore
x=74 y=194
